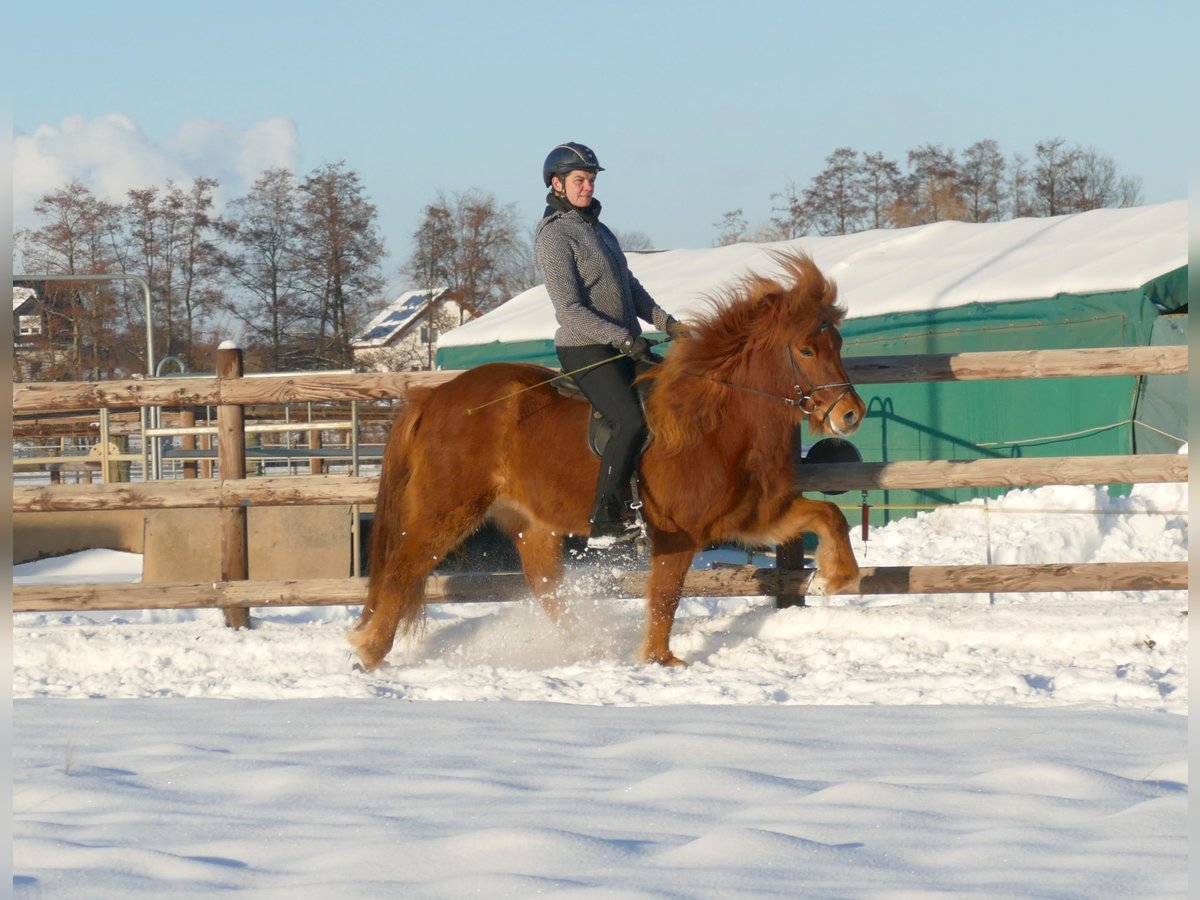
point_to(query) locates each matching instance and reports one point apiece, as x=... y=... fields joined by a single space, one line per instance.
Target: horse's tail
x=394 y=597
x=393 y=479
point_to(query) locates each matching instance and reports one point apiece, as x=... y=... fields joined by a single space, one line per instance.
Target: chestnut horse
x=499 y=443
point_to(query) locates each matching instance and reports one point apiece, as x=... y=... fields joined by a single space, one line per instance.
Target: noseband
x=805 y=397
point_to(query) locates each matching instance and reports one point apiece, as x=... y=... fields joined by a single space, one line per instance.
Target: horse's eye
x=806 y=351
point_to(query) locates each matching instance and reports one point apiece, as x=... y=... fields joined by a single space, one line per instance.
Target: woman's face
x=578 y=187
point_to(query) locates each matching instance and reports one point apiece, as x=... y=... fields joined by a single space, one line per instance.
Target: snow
x=925 y=267
x=1015 y=745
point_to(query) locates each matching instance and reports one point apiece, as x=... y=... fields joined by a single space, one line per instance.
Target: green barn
x=1107 y=278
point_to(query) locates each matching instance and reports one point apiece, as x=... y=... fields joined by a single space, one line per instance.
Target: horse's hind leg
x=396 y=596
x=541 y=553
x=392 y=593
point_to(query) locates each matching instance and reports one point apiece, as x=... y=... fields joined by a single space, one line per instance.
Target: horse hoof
x=669 y=660
x=823 y=585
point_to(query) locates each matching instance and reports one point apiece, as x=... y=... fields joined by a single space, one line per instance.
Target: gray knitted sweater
x=597 y=300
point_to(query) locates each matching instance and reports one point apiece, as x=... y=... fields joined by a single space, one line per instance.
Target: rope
x=561 y=375
x=998 y=511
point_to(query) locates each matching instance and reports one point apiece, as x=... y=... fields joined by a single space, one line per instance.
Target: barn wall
x=1161 y=422
x=976 y=419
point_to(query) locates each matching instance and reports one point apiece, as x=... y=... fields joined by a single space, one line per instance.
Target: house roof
x=21 y=296
x=395 y=317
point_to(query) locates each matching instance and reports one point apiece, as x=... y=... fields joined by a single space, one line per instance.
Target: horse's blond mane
x=752 y=313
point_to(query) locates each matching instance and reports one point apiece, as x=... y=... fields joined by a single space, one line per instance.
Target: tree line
x=857 y=191
x=297 y=262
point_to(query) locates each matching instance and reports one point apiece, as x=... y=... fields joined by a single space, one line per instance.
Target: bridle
x=805 y=397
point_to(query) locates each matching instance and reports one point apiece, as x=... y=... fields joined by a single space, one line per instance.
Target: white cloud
x=110 y=154
x=241 y=154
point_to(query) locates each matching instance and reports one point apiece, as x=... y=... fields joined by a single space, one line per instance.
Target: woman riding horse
x=597 y=302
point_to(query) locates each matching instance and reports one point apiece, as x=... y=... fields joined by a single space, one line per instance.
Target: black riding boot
x=613 y=522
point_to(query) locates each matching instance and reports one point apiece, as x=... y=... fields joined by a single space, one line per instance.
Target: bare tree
x=198 y=286
x=1053 y=161
x=342 y=252
x=80 y=338
x=731 y=229
x=632 y=241
x=151 y=223
x=1021 y=188
x=261 y=257
x=471 y=245
x=432 y=263
x=836 y=199
x=169 y=239
x=793 y=218
x=934 y=193
x=1094 y=182
x=981 y=177
x=881 y=181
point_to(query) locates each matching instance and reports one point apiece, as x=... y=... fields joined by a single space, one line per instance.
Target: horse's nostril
x=850 y=418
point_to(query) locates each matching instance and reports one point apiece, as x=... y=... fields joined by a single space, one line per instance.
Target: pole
x=231 y=457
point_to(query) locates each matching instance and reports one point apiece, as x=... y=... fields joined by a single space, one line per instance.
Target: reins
x=803 y=401
x=539 y=384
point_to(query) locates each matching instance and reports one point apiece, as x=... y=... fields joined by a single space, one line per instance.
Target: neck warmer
x=554 y=203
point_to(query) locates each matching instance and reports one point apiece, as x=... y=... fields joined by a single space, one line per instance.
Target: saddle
x=599 y=431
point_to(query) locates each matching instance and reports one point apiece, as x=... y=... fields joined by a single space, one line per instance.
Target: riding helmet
x=567 y=158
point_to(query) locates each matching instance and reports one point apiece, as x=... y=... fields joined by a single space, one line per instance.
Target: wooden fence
x=232 y=492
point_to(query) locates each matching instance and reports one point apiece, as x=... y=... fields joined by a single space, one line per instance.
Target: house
x=404 y=336
x=31 y=355
x=27 y=317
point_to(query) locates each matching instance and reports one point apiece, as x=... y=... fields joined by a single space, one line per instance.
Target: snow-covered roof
x=395 y=316
x=936 y=266
x=22 y=295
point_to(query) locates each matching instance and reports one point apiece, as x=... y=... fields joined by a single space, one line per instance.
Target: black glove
x=676 y=329
x=637 y=349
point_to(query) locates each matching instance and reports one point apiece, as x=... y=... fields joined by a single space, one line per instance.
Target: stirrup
x=628 y=532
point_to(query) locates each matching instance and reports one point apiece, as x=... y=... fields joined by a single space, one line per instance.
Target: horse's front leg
x=671 y=555
x=837 y=569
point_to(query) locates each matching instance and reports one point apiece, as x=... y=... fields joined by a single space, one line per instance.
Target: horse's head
x=768 y=339
x=809 y=330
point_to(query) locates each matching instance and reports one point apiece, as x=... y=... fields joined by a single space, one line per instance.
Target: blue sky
x=694 y=108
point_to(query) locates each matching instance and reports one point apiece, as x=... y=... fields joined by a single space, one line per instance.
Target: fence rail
x=505 y=586
x=212 y=391
x=326 y=490
x=233 y=492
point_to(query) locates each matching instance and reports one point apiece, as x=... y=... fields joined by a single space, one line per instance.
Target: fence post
x=789 y=557
x=231 y=458
x=187 y=419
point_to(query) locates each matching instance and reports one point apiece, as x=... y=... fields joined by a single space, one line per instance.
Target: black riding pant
x=609 y=387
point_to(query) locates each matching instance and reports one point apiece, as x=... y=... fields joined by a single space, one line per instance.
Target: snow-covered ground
x=1020 y=745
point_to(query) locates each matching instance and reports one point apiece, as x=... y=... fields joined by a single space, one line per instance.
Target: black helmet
x=567 y=158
